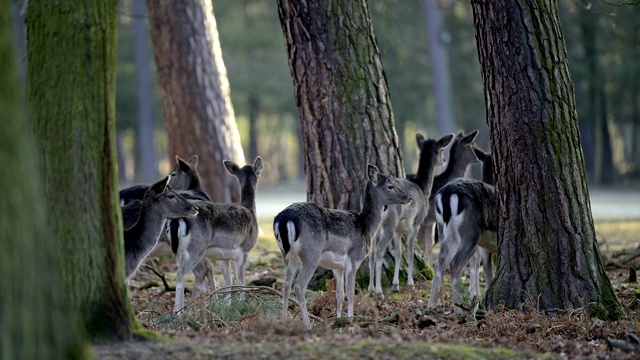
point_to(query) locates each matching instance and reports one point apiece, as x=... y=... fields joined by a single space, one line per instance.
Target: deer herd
x=176 y=215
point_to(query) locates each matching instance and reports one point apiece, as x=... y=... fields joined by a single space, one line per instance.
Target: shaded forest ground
x=399 y=326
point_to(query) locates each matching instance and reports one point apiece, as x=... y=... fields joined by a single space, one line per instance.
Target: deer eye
x=171 y=196
x=390 y=187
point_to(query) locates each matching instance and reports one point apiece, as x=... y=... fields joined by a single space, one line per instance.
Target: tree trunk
x=548 y=254
x=36 y=323
x=439 y=67
x=194 y=91
x=71 y=57
x=342 y=98
x=254 y=112
x=146 y=162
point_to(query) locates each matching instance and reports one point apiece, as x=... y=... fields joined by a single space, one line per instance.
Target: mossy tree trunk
x=342 y=98
x=194 y=91
x=548 y=254
x=35 y=322
x=71 y=58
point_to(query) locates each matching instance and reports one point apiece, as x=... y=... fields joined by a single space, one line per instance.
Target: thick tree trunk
x=35 y=321
x=71 y=57
x=548 y=254
x=195 y=93
x=146 y=162
x=342 y=97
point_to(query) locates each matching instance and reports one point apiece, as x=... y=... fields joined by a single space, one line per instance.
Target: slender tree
x=342 y=98
x=71 y=56
x=194 y=91
x=146 y=162
x=546 y=238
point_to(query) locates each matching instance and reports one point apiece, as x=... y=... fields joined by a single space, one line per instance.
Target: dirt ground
x=249 y=324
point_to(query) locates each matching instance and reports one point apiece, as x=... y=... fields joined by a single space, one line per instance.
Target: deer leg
x=290 y=271
x=411 y=247
x=351 y=287
x=397 y=244
x=372 y=262
x=301 y=286
x=186 y=263
x=464 y=252
x=338 y=276
x=384 y=239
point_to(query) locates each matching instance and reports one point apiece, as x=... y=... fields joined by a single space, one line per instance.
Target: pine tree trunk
x=35 y=322
x=342 y=97
x=548 y=254
x=71 y=57
x=194 y=91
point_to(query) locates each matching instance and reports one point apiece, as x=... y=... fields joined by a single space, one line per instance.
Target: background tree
x=35 y=323
x=534 y=134
x=146 y=161
x=194 y=90
x=71 y=54
x=342 y=98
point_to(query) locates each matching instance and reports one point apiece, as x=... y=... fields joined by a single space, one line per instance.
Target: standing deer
x=310 y=236
x=185 y=178
x=399 y=221
x=461 y=156
x=466 y=212
x=158 y=204
x=224 y=232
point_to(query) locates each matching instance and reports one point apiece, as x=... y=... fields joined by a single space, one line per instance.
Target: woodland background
x=603 y=54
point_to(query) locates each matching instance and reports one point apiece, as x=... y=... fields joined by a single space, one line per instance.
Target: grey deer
x=141 y=233
x=224 y=232
x=466 y=215
x=399 y=221
x=483 y=254
x=185 y=179
x=461 y=156
x=310 y=236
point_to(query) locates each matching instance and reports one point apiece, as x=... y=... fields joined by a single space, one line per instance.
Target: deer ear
x=257 y=165
x=194 y=160
x=481 y=155
x=159 y=187
x=470 y=137
x=419 y=139
x=373 y=173
x=444 y=141
x=231 y=167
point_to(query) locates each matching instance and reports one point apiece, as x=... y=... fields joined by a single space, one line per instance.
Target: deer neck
x=455 y=169
x=424 y=176
x=248 y=196
x=371 y=214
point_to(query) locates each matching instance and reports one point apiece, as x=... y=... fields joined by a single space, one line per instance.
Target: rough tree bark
x=194 y=91
x=35 y=321
x=548 y=254
x=342 y=97
x=71 y=58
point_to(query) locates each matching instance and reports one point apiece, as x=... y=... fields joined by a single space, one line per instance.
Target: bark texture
x=35 y=323
x=194 y=91
x=548 y=254
x=71 y=57
x=342 y=98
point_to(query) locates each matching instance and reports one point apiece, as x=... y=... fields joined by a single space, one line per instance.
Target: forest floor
x=398 y=326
